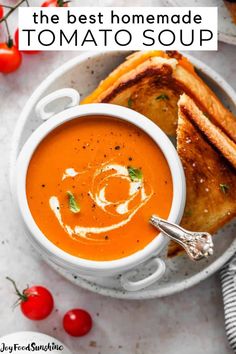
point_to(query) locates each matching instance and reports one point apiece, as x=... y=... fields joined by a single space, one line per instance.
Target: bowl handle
x=143 y=283
x=70 y=93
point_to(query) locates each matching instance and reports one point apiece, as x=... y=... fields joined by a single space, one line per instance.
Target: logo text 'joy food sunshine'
x=30 y=347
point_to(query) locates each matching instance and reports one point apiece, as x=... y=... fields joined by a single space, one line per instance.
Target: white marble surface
x=189 y=322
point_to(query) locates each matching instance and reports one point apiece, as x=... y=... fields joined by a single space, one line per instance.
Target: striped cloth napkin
x=228 y=282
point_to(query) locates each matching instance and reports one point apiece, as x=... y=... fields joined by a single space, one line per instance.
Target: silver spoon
x=198 y=245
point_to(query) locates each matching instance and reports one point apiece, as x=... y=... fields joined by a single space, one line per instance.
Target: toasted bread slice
x=232 y=9
x=210 y=178
x=213 y=133
x=147 y=89
x=151 y=83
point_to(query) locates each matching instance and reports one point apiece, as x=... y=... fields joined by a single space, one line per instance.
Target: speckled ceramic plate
x=227 y=29
x=84 y=73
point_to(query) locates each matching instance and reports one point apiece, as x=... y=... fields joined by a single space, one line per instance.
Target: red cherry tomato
x=77 y=322
x=1 y=12
x=36 y=302
x=10 y=58
x=55 y=3
x=16 y=37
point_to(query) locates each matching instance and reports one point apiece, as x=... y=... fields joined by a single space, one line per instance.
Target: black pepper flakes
x=117 y=147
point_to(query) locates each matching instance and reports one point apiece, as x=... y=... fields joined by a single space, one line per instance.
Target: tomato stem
x=4 y=19
x=22 y=296
x=7 y=6
x=61 y=3
x=9 y=40
x=11 y=9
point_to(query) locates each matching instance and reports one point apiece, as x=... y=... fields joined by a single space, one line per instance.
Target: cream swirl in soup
x=100 y=183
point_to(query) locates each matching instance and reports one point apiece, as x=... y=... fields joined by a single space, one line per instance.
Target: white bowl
x=83 y=266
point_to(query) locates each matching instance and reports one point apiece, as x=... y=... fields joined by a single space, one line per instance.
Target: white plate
x=227 y=29
x=84 y=73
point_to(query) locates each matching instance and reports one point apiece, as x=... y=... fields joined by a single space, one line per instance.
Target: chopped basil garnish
x=73 y=205
x=130 y=102
x=224 y=188
x=163 y=96
x=135 y=174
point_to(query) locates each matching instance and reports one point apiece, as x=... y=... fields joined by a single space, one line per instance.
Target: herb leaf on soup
x=73 y=205
x=224 y=188
x=163 y=96
x=135 y=174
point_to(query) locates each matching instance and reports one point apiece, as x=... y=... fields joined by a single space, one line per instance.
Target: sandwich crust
x=210 y=178
x=151 y=83
x=213 y=133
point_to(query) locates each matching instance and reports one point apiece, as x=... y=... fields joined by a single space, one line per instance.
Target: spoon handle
x=198 y=245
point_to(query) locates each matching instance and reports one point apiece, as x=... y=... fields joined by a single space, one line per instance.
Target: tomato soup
x=92 y=185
